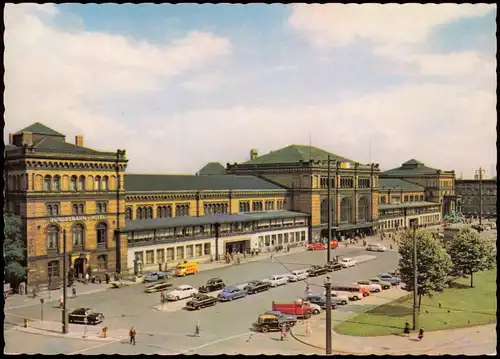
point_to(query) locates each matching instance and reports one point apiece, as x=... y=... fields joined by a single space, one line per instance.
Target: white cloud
x=204 y=82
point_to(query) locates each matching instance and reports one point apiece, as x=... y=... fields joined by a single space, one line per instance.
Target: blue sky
x=209 y=82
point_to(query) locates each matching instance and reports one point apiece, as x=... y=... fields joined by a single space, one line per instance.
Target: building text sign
x=77 y=218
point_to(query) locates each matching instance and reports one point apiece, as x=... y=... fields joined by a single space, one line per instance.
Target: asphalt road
x=226 y=327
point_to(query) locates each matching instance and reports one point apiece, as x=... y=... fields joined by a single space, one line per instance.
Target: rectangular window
x=406 y=198
x=285 y=238
x=170 y=254
x=198 y=250
x=303 y=236
x=206 y=248
x=52 y=209
x=160 y=255
x=273 y=239
x=268 y=241
x=101 y=207
x=150 y=257
x=139 y=256
x=180 y=253
x=412 y=198
x=53 y=269
x=102 y=261
x=421 y=197
x=77 y=208
x=280 y=238
x=189 y=251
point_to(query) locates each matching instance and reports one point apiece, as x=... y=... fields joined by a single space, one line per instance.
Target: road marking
x=95 y=346
x=9 y=330
x=212 y=343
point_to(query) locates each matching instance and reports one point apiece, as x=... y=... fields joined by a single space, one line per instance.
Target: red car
x=316 y=246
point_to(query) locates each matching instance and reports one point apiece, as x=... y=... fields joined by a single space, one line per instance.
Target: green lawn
x=460 y=306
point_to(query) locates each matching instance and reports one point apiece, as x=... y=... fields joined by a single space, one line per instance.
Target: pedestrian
x=407 y=329
x=73 y=291
x=283 y=332
x=308 y=329
x=420 y=333
x=106 y=275
x=34 y=292
x=61 y=301
x=162 y=296
x=87 y=277
x=132 y=333
x=197 y=329
x=244 y=254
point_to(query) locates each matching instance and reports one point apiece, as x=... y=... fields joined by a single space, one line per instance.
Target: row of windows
x=76 y=183
x=54 y=240
x=244 y=206
x=257 y=206
x=215 y=208
x=269 y=205
x=53 y=267
x=476 y=200
x=346 y=208
x=282 y=238
x=173 y=253
x=53 y=209
x=399 y=222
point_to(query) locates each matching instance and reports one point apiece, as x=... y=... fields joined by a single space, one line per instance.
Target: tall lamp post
x=328 y=288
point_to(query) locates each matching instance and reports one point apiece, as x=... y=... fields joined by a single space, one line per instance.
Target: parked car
x=372 y=287
x=268 y=322
x=230 y=293
x=256 y=286
x=290 y=277
x=348 y=262
x=333 y=266
x=376 y=248
x=276 y=280
x=341 y=298
x=316 y=270
x=79 y=315
x=201 y=301
x=315 y=309
x=389 y=278
x=156 y=287
x=182 y=292
x=301 y=273
x=154 y=276
x=212 y=285
x=385 y=285
x=289 y=319
x=316 y=246
x=320 y=300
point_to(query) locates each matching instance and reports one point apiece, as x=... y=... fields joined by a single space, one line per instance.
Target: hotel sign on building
x=77 y=218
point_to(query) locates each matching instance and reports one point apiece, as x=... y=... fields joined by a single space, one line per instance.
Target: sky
x=178 y=86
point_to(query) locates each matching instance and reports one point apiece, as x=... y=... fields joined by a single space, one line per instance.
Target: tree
x=14 y=250
x=471 y=253
x=433 y=263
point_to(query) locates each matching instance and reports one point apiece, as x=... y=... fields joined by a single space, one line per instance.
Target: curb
x=41 y=332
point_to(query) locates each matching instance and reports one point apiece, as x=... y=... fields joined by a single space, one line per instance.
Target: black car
x=212 y=285
x=317 y=270
x=201 y=301
x=257 y=286
x=79 y=315
x=321 y=301
x=333 y=266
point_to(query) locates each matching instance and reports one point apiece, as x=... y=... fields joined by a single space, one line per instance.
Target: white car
x=376 y=248
x=315 y=309
x=342 y=298
x=291 y=277
x=301 y=273
x=348 y=262
x=276 y=280
x=372 y=287
x=181 y=292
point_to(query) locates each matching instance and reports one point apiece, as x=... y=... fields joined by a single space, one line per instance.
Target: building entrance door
x=237 y=247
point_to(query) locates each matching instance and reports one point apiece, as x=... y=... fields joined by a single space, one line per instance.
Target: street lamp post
x=328 y=287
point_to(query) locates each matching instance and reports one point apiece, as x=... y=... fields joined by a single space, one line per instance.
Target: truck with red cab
x=299 y=308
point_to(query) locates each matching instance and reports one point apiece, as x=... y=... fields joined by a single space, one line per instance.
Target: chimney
x=254 y=153
x=11 y=138
x=79 y=140
x=27 y=139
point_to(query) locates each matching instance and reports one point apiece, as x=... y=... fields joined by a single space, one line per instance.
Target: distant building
x=211 y=169
x=468 y=190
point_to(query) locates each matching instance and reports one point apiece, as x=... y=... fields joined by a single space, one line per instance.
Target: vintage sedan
x=212 y=285
x=316 y=246
x=85 y=316
x=389 y=278
x=182 y=292
x=256 y=286
x=201 y=301
x=333 y=266
x=276 y=280
x=317 y=270
x=288 y=319
x=372 y=287
x=339 y=297
x=154 y=276
x=376 y=248
x=157 y=287
x=385 y=285
x=348 y=262
x=230 y=293
x=320 y=300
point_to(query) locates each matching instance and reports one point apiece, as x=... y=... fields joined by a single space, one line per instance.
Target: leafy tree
x=14 y=250
x=471 y=253
x=433 y=263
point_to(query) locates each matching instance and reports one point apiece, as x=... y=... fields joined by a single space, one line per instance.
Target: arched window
x=128 y=213
x=52 y=238
x=99 y=208
x=363 y=209
x=168 y=211
x=225 y=208
x=49 y=210
x=73 y=183
x=81 y=183
x=55 y=210
x=75 y=209
x=104 y=183
x=80 y=207
x=346 y=210
x=217 y=208
x=57 y=183
x=205 y=209
x=150 y=212
x=159 y=212
x=138 y=213
x=97 y=183
x=78 y=233
x=102 y=233
x=47 y=183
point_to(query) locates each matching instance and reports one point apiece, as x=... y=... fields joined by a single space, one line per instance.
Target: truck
x=298 y=308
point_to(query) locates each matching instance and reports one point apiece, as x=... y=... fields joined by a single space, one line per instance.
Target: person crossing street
x=197 y=329
x=132 y=333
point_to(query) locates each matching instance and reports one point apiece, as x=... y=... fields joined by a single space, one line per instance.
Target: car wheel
x=356 y=298
x=377 y=290
x=264 y=329
x=316 y=312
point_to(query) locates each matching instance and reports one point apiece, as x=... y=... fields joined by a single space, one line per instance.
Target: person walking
x=283 y=332
x=87 y=277
x=61 y=301
x=162 y=296
x=73 y=291
x=308 y=329
x=197 y=329
x=407 y=329
x=420 y=333
x=132 y=333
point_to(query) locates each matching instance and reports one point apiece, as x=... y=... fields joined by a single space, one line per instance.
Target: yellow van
x=187 y=268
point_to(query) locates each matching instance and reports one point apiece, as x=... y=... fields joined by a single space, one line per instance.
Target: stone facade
x=468 y=191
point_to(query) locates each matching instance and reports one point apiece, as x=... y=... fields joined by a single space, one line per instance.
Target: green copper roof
x=51 y=145
x=394 y=183
x=295 y=154
x=40 y=129
x=409 y=168
x=160 y=183
x=212 y=168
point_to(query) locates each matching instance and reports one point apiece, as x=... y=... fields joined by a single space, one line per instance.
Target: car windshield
x=180 y=288
x=89 y=312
